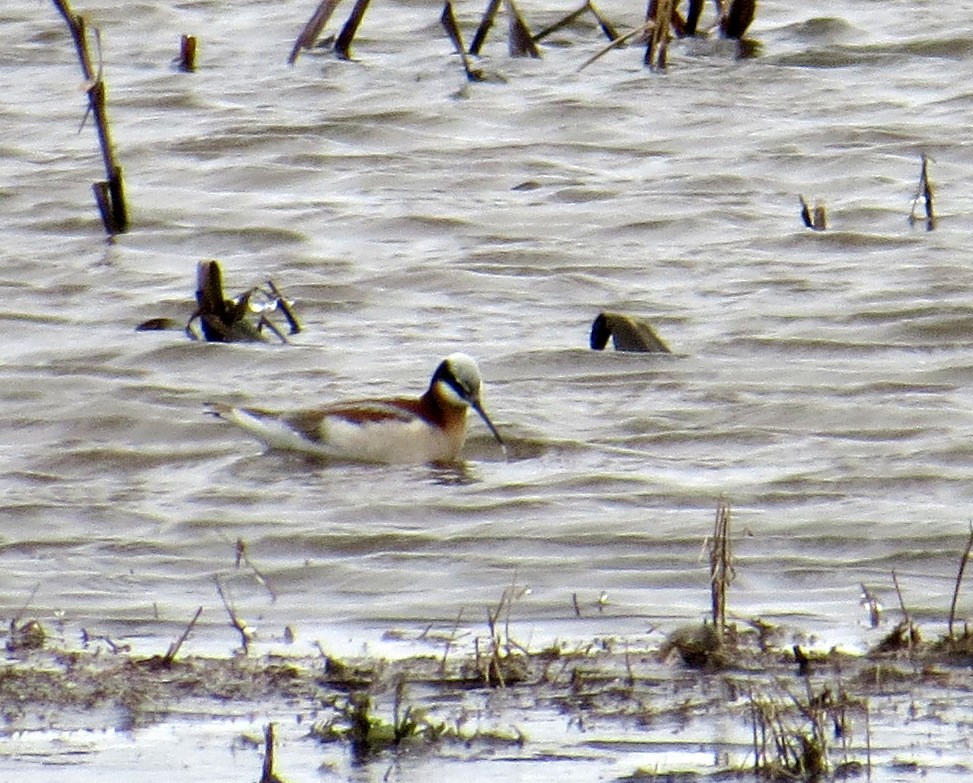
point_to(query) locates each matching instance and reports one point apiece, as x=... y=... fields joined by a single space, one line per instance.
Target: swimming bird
x=430 y=428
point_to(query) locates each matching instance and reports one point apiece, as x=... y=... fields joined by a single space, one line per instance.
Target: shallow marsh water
x=821 y=383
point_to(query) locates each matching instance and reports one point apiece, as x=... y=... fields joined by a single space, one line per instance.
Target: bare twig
x=959 y=581
x=521 y=42
x=170 y=655
x=898 y=592
x=562 y=22
x=449 y=641
x=110 y=194
x=658 y=19
x=243 y=556
x=235 y=621
x=720 y=567
x=923 y=193
x=309 y=34
x=342 y=44
x=448 y=20
x=486 y=22
x=620 y=40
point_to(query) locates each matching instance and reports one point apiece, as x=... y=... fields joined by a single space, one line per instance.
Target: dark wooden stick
x=235 y=621
x=110 y=194
x=659 y=15
x=448 y=20
x=485 y=24
x=187 y=54
x=343 y=43
x=309 y=34
x=77 y=27
x=174 y=647
x=606 y=27
x=563 y=22
x=521 y=42
x=268 y=775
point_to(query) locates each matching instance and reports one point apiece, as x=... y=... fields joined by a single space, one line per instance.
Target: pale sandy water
x=822 y=384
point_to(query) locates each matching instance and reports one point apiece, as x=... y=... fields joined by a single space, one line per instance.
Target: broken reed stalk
x=449 y=642
x=606 y=27
x=659 y=19
x=312 y=29
x=692 y=17
x=235 y=621
x=620 y=40
x=342 y=44
x=268 y=775
x=817 y=218
x=110 y=194
x=924 y=192
x=898 y=592
x=720 y=567
x=242 y=556
x=448 y=20
x=959 y=581
x=486 y=22
x=187 y=54
x=170 y=655
x=737 y=18
x=563 y=22
x=286 y=308
x=520 y=41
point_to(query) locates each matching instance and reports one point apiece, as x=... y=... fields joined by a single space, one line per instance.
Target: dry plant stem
x=563 y=22
x=735 y=21
x=959 y=581
x=606 y=27
x=721 y=568
x=621 y=40
x=448 y=20
x=449 y=641
x=30 y=599
x=285 y=306
x=521 y=42
x=243 y=556
x=343 y=43
x=924 y=192
x=659 y=16
x=485 y=24
x=309 y=34
x=817 y=218
x=110 y=194
x=898 y=592
x=235 y=621
x=187 y=54
x=170 y=655
x=268 y=775
x=77 y=27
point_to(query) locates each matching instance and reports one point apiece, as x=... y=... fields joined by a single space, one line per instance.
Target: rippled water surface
x=821 y=382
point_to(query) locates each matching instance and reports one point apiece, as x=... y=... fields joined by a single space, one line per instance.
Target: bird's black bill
x=486 y=420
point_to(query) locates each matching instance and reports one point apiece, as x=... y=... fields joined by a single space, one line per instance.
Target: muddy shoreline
x=796 y=714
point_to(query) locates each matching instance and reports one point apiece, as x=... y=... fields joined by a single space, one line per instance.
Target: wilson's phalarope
x=431 y=428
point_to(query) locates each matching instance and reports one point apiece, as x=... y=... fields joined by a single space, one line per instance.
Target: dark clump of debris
x=244 y=318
